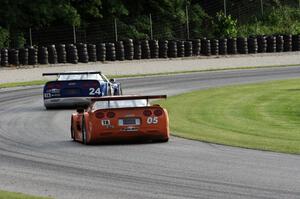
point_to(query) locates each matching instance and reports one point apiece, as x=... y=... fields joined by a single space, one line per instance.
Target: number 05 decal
x=152 y=120
x=93 y=91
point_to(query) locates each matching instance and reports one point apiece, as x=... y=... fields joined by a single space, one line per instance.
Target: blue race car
x=72 y=89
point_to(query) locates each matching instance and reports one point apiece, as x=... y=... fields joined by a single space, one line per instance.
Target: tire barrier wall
x=163 y=49
x=223 y=46
x=154 y=49
x=261 y=44
x=146 y=54
x=188 y=48
x=180 y=49
x=32 y=56
x=83 y=55
x=215 y=47
x=271 y=44
x=288 y=43
x=43 y=55
x=23 y=56
x=111 y=52
x=232 y=46
x=72 y=54
x=4 y=57
x=172 y=49
x=296 y=42
x=137 y=50
x=52 y=54
x=120 y=51
x=206 y=47
x=196 y=47
x=92 y=52
x=13 y=57
x=242 y=45
x=252 y=45
x=279 y=43
x=101 y=52
x=146 y=49
x=129 y=49
x=61 y=53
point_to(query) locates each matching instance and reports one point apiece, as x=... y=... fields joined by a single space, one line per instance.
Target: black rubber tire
x=48 y=107
x=120 y=92
x=83 y=130
x=161 y=140
x=72 y=130
x=109 y=90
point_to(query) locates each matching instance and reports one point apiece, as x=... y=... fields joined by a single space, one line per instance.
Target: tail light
x=99 y=115
x=90 y=84
x=110 y=114
x=158 y=112
x=147 y=112
x=53 y=85
x=94 y=84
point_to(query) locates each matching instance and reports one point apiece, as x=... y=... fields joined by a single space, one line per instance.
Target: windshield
x=80 y=77
x=120 y=104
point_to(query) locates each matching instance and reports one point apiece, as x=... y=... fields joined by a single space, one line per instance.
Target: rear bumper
x=104 y=137
x=66 y=102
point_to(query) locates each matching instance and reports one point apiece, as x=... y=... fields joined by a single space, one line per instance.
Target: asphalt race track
x=38 y=157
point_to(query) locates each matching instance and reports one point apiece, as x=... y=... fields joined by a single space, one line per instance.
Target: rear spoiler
x=128 y=97
x=72 y=73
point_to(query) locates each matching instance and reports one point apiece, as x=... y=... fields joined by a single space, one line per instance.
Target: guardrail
x=146 y=49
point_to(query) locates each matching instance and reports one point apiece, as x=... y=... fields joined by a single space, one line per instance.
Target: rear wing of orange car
x=128 y=97
x=72 y=73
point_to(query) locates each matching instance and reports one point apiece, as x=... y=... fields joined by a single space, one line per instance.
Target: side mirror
x=80 y=110
x=112 y=80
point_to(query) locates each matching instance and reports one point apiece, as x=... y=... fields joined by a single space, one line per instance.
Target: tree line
x=205 y=18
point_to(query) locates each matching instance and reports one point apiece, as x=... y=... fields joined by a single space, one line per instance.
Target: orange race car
x=120 y=118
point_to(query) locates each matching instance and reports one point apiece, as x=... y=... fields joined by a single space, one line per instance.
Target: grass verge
x=41 y=82
x=16 y=84
x=263 y=116
x=11 y=195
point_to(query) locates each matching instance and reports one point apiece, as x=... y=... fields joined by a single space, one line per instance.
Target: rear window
x=80 y=77
x=120 y=104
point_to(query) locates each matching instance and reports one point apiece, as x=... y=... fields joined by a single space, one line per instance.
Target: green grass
x=41 y=82
x=16 y=84
x=11 y=195
x=263 y=116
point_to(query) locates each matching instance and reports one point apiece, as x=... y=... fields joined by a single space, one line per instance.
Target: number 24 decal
x=93 y=91
x=152 y=120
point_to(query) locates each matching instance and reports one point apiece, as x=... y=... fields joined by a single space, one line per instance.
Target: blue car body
x=76 y=89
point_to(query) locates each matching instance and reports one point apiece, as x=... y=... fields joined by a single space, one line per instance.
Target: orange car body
x=120 y=118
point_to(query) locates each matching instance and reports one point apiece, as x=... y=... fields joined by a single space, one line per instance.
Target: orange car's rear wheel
x=72 y=129
x=84 y=136
x=161 y=140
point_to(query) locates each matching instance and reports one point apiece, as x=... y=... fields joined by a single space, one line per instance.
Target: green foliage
x=18 y=40
x=4 y=38
x=67 y=14
x=200 y=22
x=114 y=8
x=169 y=18
x=137 y=29
x=225 y=26
x=257 y=28
x=277 y=20
x=85 y=10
